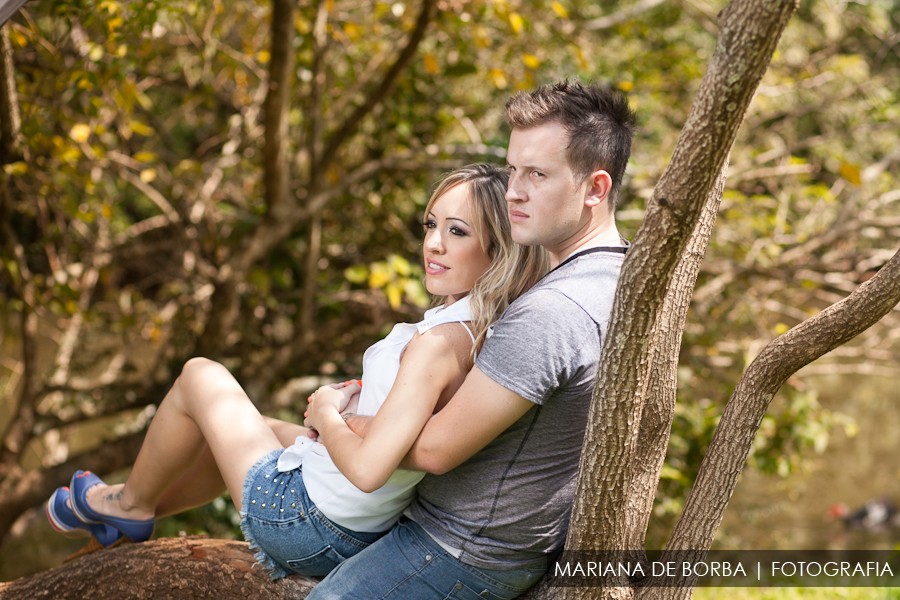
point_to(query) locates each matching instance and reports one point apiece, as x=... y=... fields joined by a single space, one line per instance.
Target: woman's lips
x=433 y=267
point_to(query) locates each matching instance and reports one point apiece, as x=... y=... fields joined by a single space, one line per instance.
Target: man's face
x=545 y=202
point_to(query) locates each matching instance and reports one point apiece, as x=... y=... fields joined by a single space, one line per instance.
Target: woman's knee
x=199 y=365
x=199 y=375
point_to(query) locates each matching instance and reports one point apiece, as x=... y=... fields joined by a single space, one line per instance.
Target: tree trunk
x=659 y=406
x=750 y=30
x=186 y=567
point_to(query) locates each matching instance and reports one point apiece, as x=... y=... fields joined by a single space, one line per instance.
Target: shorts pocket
x=318 y=564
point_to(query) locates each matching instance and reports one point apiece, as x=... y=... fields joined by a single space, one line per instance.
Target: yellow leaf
x=516 y=22
x=148 y=175
x=499 y=79
x=378 y=276
x=394 y=295
x=145 y=157
x=106 y=210
x=141 y=128
x=110 y=6
x=531 y=61
x=70 y=155
x=263 y=57
x=851 y=173
x=400 y=265
x=625 y=86
x=356 y=274
x=579 y=54
x=16 y=168
x=96 y=53
x=781 y=329
x=561 y=11
x=80 y=133
x=353 y=31
x=431 y=64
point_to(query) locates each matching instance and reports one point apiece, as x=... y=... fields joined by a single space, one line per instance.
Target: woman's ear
x=599 y=186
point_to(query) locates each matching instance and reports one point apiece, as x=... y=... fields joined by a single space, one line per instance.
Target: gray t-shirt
x=508 y=506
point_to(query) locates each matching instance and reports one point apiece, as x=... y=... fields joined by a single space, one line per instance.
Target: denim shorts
x=286 y=530
x=408 y=563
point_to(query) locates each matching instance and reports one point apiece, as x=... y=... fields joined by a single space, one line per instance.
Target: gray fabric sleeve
x=537 y=345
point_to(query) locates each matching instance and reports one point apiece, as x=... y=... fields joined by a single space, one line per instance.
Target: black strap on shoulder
x=614 y=249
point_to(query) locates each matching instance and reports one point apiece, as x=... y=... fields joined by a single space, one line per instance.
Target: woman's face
x=453 y=256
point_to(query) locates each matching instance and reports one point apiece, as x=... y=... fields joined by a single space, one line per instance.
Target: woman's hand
x=329 y=399
x=351 y=389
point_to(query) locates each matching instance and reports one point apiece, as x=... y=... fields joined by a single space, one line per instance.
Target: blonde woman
x=298 y=510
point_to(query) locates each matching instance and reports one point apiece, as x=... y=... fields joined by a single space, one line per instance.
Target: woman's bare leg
x=205 y=407
x=203 y=483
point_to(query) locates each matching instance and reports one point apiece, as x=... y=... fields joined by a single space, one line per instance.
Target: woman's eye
x=457 y=231
x=429 y=224
x=537 y=174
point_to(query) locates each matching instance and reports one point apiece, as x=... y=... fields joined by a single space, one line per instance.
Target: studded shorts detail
x=286 y=530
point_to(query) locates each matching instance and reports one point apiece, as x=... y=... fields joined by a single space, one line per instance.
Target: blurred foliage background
x=142 y=222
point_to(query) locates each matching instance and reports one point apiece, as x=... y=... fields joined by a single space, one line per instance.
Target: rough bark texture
x=659 y=405
x=750 y=30
x=188 y=567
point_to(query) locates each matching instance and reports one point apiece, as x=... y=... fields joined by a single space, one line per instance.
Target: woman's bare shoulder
x=441 y=340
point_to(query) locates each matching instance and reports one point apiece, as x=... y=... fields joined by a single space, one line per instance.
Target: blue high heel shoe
x=134 y=529
x=66 y=522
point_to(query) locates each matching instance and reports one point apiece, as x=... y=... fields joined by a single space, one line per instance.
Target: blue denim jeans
x=287 y=531
x=407 y=564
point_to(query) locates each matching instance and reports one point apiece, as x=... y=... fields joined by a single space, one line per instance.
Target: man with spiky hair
x=503 y=454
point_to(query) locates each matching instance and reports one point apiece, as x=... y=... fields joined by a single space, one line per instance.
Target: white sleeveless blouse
x=332 y=493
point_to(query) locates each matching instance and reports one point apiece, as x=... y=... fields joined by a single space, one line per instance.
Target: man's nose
x=513 y=191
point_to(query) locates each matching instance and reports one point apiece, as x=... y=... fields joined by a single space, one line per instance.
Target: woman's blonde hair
x=514 y=268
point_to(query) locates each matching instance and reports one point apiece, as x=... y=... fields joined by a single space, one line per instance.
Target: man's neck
x=599 y=238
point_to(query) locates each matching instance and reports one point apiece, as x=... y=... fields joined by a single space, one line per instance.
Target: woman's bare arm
x=433 y=366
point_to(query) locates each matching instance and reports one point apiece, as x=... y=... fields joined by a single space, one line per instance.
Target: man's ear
x=599 y=186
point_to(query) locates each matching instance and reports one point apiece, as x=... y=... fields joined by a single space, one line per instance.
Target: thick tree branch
x=10 y=122
x=276 y=165
x=186 y=567
x=22 y=287
x=313 y=116
x=780 y=359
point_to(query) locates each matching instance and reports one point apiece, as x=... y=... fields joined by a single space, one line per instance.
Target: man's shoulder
x=586 y=286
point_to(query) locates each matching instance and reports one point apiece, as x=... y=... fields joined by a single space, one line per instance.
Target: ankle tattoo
x=113 y=497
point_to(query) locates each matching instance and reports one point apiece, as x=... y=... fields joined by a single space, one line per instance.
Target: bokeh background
x=149 y=214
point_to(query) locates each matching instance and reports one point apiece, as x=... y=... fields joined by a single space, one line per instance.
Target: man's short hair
x=597 y=117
